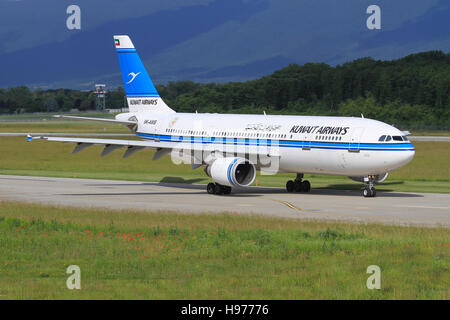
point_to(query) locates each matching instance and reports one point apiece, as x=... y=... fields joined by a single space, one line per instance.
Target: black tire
x=218 y=189
x=298 y=186
x=211 y=188
x=373 y=192
x=368 y=193
x=226 y=190
x=290 y=186
x=306 y=186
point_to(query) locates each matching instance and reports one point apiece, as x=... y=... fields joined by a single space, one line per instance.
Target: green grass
x=52 y=126
x=430 y=133
x=49 y=116
x=428 y=172
x=163 y=255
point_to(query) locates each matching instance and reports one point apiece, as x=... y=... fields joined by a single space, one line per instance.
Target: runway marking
x=286 y=204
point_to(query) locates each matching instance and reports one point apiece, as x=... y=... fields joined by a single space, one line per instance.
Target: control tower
x=100 y=93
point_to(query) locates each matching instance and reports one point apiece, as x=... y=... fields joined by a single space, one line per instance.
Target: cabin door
x=355 y=139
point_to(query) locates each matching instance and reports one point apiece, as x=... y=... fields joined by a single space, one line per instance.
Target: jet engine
x=378 y=178
x=232 y=172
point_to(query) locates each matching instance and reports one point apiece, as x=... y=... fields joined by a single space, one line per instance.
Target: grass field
x=430 y=133
x=52 y=126
x=428 y=172
x=144 y=255
x=50 y=116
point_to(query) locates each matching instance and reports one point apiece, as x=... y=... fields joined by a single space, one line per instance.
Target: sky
x=43 y=43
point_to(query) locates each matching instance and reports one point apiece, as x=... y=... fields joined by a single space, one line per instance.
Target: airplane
x=233 y=147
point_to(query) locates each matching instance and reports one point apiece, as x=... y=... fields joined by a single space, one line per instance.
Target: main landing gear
x=369 y=191
x=298 y=185
x=215 y=188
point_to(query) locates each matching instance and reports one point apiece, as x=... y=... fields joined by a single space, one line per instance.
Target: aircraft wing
x=110 y=144
x=162 y=147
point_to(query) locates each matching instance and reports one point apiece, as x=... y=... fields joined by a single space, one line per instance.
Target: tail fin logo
x=133 y=76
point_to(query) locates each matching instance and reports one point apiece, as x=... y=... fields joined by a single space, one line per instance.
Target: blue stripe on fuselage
x=281 y=143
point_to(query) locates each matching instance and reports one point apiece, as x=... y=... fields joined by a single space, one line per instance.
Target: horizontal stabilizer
x=124 y=122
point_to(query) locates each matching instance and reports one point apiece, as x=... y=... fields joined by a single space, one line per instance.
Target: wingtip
x=31 y=138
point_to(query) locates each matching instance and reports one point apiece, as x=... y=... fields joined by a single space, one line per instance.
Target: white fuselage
x=305 y=144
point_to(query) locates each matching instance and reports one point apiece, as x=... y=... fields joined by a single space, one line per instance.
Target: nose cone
x=404 y=157
x=408 y=156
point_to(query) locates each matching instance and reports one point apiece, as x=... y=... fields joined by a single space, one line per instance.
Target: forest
x=411 y=92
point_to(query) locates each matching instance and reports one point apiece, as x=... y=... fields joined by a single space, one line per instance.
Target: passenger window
x=397 y=138
x=382 y=138
x=388 y=138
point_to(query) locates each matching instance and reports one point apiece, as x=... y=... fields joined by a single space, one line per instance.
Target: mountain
x=206 y=40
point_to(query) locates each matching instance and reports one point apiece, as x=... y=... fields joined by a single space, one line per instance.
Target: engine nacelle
x=232 y=172
x=378 y=178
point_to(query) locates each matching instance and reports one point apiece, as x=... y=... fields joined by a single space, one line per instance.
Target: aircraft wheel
x=290 y=186
x=369 y=192
x=226 y=190
x=298 y=186
x=306 y=186
x=211 y=188
x=218 y=189
x=366 y=192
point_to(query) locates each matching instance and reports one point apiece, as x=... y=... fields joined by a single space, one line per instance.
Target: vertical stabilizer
x=142 y=95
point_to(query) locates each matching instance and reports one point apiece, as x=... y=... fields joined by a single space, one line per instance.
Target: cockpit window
x=382 y=138
x=397 y=138
x=405 y=138
x=388 y=138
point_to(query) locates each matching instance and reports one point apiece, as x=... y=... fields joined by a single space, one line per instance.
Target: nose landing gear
x=369 y=191
x=298 y=185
